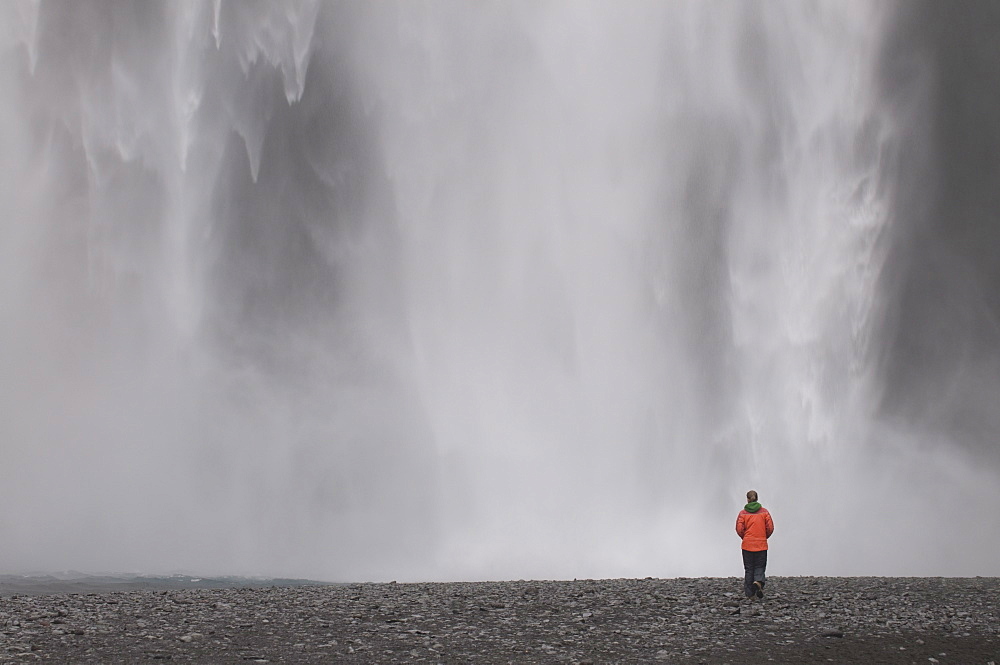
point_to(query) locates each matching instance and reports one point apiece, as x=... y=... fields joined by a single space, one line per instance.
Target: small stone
x=832 y=632
x=662 y=654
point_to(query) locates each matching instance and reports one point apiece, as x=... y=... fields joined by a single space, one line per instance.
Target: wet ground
x=801 y=620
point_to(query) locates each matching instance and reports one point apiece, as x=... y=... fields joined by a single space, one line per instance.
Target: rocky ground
x=802 y=620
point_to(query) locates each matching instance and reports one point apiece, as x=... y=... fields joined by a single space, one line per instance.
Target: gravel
x=703 y=620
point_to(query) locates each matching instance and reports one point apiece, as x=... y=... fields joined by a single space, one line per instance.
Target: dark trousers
x=754 y=564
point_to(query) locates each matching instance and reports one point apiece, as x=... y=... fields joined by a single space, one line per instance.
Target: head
x=751 y=496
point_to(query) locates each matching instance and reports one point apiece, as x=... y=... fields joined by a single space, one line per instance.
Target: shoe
x=760 y=589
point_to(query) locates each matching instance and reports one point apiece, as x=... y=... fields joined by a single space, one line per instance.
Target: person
x=754 y=526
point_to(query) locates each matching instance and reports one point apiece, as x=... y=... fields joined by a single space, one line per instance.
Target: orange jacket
x=754 y=528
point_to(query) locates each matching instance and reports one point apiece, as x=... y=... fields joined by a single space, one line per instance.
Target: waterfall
x=460 y=290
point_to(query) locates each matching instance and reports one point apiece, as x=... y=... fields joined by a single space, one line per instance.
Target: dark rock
x=676 y=621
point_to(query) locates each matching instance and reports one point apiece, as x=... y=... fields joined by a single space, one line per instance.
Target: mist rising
x=460 y=290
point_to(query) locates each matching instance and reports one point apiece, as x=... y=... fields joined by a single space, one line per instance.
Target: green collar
x=752 y=507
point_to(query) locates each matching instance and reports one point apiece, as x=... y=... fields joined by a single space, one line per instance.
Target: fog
x=463 y=290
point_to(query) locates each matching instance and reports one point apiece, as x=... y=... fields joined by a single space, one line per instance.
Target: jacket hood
x=752 y=507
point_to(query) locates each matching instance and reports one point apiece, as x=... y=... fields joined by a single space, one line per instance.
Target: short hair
x=751 y=496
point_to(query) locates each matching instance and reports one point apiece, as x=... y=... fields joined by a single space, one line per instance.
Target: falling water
x=462 y=290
